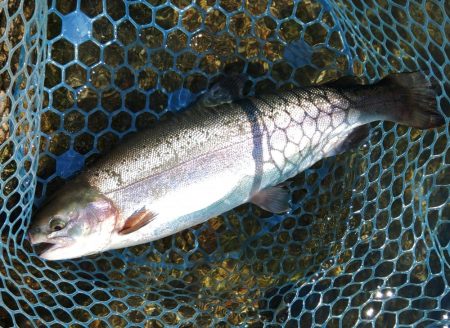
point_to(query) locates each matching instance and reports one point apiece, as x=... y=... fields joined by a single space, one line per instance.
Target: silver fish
x=209 y=160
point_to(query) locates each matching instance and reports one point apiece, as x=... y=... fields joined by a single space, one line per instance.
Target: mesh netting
x=367 y=240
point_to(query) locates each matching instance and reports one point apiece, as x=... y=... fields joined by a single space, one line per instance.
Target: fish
x=214 y=157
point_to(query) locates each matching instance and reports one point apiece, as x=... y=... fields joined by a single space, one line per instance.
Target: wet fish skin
x=209 y=160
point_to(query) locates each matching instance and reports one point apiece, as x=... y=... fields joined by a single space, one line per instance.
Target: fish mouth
x=44 y=248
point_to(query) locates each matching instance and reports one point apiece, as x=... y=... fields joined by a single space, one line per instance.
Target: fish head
x=78 y=221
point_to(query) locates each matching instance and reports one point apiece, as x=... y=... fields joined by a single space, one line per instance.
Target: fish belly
x=190 y=193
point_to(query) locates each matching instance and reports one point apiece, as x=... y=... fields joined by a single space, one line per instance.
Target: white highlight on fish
x=210 y=159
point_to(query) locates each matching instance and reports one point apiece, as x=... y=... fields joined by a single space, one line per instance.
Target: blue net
x=367 y=242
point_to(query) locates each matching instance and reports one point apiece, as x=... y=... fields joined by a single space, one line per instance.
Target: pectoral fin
x=272 y=199
x=136 y=221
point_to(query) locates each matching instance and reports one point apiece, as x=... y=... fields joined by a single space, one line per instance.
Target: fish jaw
x=54 y=248
x=66 y=247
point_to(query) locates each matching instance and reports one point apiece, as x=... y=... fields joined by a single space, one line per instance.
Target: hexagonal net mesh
x=367 y=240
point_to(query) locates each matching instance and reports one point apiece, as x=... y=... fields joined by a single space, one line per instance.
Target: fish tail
x=417 y=101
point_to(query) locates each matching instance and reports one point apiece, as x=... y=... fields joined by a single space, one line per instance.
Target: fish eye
x=56 y=224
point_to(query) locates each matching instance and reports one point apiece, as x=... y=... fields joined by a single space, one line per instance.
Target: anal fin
x=225 y=90
x=272 y=199
x=136 y=221
x=352 y=141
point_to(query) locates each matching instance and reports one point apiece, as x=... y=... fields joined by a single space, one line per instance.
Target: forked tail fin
x=418 y=100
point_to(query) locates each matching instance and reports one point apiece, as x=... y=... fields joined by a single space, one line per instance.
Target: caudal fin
x=418 y=100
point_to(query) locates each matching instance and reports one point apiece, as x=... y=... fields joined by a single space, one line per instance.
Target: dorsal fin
x=345 y=82
x=225 y=90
